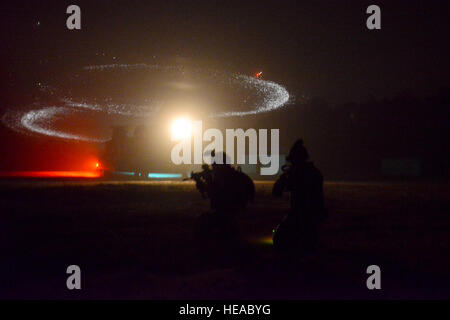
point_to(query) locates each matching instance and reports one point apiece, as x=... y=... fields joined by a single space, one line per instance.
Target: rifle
x=194 y=176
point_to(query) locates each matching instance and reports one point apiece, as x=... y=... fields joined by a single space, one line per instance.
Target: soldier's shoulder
x=316 y=171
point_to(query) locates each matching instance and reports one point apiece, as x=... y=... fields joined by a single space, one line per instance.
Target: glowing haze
x=41 y=118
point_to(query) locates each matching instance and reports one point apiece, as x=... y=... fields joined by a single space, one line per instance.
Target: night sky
x=318 y=49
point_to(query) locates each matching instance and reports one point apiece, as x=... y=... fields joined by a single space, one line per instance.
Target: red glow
x=51 y=174
x=258 y=75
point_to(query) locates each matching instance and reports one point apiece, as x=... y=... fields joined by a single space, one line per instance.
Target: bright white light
x=271 y=96
x=181 y=129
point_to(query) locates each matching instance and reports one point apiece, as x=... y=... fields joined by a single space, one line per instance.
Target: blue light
x=125 y=173
x=165 y=175
x=152 y=175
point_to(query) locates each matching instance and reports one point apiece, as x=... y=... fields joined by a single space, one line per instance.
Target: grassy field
x=135 y=240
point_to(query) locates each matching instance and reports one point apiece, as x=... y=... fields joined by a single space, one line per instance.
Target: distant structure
x=125 y=153
x=144 y=152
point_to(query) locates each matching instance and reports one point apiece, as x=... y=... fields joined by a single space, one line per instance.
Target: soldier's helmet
x=218 y=155
x=298 y=152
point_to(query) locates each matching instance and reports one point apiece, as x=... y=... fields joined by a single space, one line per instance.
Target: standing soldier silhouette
x=229 y=191
x=297 y=233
